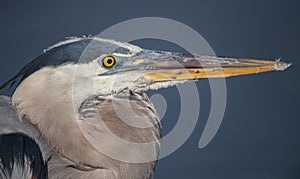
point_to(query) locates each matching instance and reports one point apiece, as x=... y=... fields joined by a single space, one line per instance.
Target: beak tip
x=281 y=66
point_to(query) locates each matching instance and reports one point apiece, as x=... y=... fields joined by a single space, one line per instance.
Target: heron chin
x=79 y=109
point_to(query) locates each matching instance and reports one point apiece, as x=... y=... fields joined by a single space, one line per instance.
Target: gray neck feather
x=46 y=99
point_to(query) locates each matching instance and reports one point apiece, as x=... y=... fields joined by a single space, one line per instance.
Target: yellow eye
x=108 y=61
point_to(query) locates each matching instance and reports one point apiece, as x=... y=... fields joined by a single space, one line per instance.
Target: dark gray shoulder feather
x=22 y=153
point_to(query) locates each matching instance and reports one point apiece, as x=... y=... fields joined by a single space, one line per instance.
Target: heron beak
x=165 y=66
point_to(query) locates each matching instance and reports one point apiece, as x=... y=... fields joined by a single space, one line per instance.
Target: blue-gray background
x=259 y=137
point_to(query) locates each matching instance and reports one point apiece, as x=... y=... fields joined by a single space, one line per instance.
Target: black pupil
x=109 y=61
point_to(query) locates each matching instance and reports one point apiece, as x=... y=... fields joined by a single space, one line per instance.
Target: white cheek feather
x=113 y=84
x=105 y=85
x=159 y=85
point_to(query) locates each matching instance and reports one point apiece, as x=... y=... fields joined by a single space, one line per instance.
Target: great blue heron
x=55 y=124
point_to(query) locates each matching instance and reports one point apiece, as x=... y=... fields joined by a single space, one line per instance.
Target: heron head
x=103 y=67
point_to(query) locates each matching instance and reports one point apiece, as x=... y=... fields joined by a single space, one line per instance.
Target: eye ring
x=108 y=61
